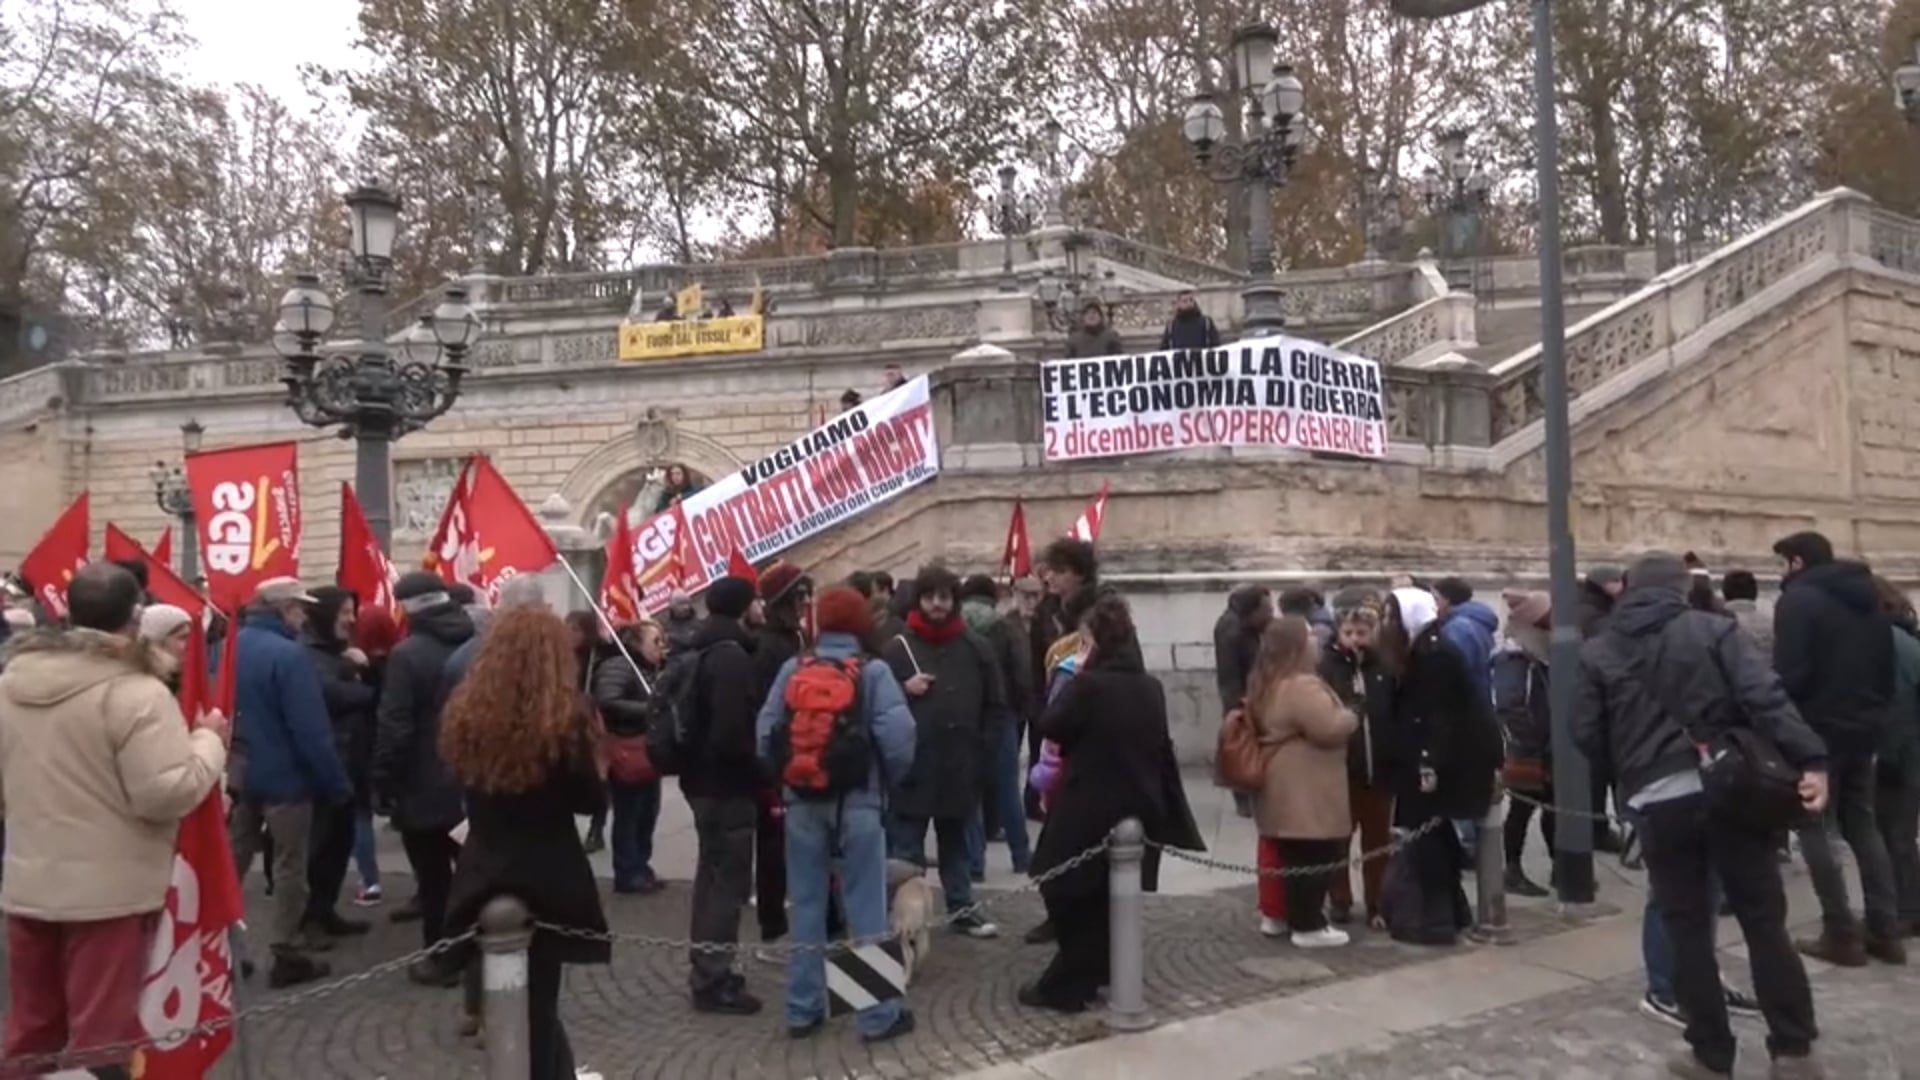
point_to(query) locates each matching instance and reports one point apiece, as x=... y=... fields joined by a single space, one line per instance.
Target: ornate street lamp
x=1458 y=192
x=175 y=499
x=1057 y=157
x=369 y=396
x=1063 y=295
x=1379 y=212
x=1906 y=85
x=1011 y=212
x=1259 y=162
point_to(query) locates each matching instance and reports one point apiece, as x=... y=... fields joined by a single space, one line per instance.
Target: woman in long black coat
x=526 y=747
x=1111 y=725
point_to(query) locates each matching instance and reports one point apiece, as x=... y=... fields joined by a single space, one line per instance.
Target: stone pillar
x=578 y=549
x=987 y=410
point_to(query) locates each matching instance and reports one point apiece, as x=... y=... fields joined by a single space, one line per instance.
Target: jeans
x=365 y=859
x=1656 y=949
x=432 y=854
x=1307 y=893
x=907 y=840
x=977 y=843
x=333 y=828
x=1851 y=780
x=1685 y=848
x=824 y=839
x=1897 y=812
x=722 y=880
x=636 y=810
x=1007 y=803
x=290 y=826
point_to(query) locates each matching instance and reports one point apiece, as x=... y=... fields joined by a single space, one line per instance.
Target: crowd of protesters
x=819 y=736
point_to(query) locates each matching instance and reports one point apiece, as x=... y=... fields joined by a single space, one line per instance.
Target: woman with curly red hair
x=525 y=746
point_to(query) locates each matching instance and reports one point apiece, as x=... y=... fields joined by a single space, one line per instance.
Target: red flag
x=620 y=588
x=164 y=585
x=738 y=566
x=486 y=534
x=1016 y=560
x=190 y=975
x=163 y=548
x=248 y=502
x=1088 y=527
x=61 y=552
x=364 y=569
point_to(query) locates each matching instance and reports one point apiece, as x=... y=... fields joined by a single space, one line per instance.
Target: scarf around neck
x=935 y=633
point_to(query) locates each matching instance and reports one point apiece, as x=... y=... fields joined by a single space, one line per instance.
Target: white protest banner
x=1271 y=391
x=853 y=462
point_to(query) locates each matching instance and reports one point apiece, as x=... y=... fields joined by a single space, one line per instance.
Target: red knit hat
x=841 y=609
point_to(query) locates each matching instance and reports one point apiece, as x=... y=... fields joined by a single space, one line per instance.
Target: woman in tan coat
x=1303 y=808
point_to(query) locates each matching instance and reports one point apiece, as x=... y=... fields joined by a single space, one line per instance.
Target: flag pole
x=612 y=634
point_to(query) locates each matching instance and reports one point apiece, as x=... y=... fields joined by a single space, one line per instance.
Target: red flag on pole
x=61 y=552
x=486 y=533
x=247 y=500
x=619 y=587
x=190 y=975
x=1088 y=526
x=738 y=566
x=364 y=569
x=163 y=548
x=162 y=583
x=1016 y=561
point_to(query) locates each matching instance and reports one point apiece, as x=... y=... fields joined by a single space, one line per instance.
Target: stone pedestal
x=578 y=549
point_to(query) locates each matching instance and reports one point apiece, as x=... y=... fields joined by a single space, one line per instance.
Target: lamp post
x=1572 y=778
x=1057 y=157
x=1379 y=213
x=1260 y=161
x=1906 y=85
x=175 y=499
x=1458 y=193
x=369 y=396
x=1011 y=213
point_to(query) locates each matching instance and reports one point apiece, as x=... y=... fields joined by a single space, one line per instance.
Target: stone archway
x=618 y=471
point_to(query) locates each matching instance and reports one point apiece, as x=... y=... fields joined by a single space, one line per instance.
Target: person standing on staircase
x=1190 y=328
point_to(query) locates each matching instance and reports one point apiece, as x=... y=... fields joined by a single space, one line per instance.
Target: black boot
x=1519 y=884
x=292 y=968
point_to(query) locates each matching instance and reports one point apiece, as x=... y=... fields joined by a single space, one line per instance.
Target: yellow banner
x=692 y=337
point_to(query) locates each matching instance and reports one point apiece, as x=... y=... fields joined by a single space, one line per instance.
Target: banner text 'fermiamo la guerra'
x=1272 y=391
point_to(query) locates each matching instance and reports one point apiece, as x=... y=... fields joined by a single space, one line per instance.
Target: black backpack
x=675 y=728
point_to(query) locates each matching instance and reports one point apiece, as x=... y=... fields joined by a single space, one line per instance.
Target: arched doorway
x=640 y=490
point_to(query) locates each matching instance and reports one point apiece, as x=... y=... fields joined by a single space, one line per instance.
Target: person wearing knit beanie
x=731 y=597
x=842 y=610
x=166 y=626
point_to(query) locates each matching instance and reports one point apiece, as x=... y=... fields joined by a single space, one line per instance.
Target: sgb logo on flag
x=249 y=505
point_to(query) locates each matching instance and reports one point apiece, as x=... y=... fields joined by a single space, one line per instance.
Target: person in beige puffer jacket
x=97 y=767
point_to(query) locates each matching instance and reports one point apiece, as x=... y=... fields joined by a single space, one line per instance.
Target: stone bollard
x=506 y=930
x=1490 y=876
x=1127 y=977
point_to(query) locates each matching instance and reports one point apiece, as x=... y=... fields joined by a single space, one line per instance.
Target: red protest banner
x=61 y=552
x=619 y=587
x=1087 y=526
x=486 y=534
x=852 y=463
x=1016 y=559
x=247 y=499
x=163 y=547
x=364 y=569
x=190 y=975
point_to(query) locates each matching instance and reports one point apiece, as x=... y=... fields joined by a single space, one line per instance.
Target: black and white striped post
x=860 y=977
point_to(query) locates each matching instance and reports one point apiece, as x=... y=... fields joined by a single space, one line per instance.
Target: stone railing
x=1425 y=328
x=31 y=393
x=1674 y=307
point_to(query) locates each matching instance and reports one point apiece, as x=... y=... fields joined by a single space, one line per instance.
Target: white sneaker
x=1272 y=927
x=1324 y=938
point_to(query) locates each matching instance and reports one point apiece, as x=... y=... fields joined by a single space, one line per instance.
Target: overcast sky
x=240 y=42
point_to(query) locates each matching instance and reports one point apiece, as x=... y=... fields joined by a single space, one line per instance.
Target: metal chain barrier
x=789 y=948
x=119 y=1053
x=1400 y=841
x=1590 y=815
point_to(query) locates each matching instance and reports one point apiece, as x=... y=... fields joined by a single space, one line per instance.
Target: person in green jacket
x=1897 y=794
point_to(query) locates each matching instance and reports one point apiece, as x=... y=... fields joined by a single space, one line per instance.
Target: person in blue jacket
x=1469 y=626
x=284 y=763
x=848 y=827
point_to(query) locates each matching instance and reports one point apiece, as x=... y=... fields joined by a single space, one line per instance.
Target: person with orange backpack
x=835 y=731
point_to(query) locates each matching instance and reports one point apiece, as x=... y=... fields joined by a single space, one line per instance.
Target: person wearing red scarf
x=958 y=698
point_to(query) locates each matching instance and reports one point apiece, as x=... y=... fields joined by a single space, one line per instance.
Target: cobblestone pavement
x=1596 y=1032
x=632 y=1018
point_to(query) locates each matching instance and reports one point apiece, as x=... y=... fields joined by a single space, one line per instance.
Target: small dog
x=909 y=913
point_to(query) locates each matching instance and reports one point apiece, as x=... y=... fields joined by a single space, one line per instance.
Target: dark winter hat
x=1602 y=576
x=780 y=579
x=1244 y=600
x=1659 y=570
x=418 y=590
x=979 y=587
x=843 y=610
x=730 y=597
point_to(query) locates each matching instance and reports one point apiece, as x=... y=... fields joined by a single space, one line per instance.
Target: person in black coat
x=525 y=747
x=786 y=592
x=722 y=780
x=350 y=702
x=623 y=697
x=1111 y=725
x=411 y=783
x=1350 y=664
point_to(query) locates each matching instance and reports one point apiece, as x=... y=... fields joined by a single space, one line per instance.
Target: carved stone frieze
x=420 y=489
